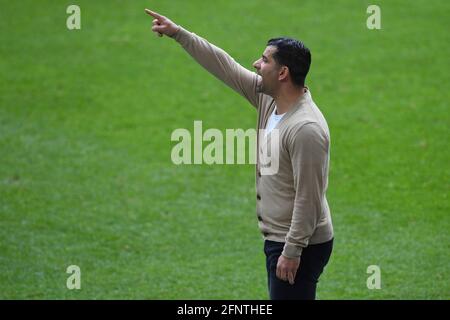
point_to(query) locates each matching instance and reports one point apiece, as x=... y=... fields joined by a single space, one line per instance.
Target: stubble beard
x=260 y=88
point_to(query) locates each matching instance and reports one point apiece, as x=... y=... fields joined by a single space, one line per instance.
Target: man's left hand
x=287 y=268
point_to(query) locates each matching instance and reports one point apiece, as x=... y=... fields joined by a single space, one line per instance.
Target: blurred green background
x=86 y=176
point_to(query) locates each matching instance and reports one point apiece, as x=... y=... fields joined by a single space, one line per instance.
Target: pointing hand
x=162 y=25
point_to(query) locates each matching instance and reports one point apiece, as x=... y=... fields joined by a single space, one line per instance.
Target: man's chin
x=260 y=87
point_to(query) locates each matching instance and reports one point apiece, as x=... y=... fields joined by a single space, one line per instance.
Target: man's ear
x=283 y=73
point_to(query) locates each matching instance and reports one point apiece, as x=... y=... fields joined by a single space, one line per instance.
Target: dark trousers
x=313 y=260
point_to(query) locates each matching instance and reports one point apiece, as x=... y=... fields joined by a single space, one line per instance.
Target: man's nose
x=256 y=64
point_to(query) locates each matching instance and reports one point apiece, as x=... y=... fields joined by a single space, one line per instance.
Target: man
x=292 y=209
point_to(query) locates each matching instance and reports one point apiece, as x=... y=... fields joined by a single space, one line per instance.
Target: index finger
x=291 y=277
x=154 y=14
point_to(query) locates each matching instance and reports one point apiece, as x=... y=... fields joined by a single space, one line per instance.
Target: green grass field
x=86 y=176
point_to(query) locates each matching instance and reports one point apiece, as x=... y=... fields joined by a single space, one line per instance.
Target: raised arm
x=212 y=58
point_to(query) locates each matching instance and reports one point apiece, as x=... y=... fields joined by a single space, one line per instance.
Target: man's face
x=268 y=69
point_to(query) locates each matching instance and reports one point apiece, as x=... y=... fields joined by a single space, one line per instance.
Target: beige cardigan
x=291 y=204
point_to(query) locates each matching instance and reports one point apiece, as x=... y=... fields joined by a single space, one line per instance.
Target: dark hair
x=294 y=55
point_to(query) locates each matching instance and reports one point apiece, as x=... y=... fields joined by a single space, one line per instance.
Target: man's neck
x=286 y=100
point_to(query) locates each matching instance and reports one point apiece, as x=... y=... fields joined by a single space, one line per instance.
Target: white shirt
x=273 y=121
